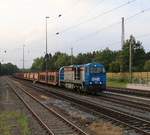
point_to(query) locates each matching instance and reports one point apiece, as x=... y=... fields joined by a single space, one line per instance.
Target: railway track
x=132 y=122
x=50 y=120
x=124 y=100
x=129 y=121
x=136 y=92
x=141 y=105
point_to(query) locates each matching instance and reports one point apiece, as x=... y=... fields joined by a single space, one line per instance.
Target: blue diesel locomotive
x=89 y=77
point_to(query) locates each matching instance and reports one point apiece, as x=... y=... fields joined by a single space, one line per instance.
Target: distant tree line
x=114 y=61
x=8 y=69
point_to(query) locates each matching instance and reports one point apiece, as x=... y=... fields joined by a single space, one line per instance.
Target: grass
x=9 y=119
x=23 y=122
x=116 y=83
x=100 y=128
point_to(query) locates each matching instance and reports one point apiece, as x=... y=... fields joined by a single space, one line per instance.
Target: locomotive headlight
x=90 y=82
x=100 y=82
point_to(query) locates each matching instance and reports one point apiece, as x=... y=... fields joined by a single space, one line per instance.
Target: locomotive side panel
x=68 y=74
x=82 y=74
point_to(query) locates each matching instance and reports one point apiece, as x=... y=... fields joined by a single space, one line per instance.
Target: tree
x=37 y=64
x=84 y=58
x=147 y=65
x=148 y=56
x=114 y=66
x=138 y=55
x=8 y=69
x=0 y=68
x=62 y=60
x=105 y=57
x=114 y=61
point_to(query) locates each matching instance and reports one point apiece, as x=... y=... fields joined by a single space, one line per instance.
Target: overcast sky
x=80 y=26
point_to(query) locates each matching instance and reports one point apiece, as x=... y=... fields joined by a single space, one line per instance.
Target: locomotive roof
x=88 y=64
x=97 y=64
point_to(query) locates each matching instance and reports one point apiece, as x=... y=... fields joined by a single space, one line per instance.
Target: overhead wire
x=61 y=13
x=55 y=18
x=96 y=32
x=138 y=13
x=137 y=37
x=74 y=5
x=99 y=4
x=143 y=36
x=95 y=17
x=116 y=23
x=90 y=11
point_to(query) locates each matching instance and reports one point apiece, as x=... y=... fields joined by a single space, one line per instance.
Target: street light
x=23 y=57
x=46 y=66
x=46 y=56
x=130 y=61
x=2 y=60
x=59 y=15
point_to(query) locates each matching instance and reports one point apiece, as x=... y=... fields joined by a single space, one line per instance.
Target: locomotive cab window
x=87 y=69
x=97 y=70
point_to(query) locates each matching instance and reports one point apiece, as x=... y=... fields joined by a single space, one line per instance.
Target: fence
x=136 y=77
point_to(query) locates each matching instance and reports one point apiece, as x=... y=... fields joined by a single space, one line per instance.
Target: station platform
x=139 y=86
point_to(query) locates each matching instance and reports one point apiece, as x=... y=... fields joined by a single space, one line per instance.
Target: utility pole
x=23 y=58
x=123 y=33
x=71 y=55
x=122 y=40
x=130 y=60
x=46 y=55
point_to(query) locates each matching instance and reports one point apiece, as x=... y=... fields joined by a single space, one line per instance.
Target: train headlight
x=100 y=82
x=90 y=82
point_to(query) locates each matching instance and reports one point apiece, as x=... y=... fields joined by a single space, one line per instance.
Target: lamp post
x=71 y=55
x=23 y=58
x=130 y=61
x=2 y=57
x=46 y=58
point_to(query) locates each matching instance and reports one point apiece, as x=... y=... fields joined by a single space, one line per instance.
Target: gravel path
x=9 y=102
x=127 y=109
x=116 y=106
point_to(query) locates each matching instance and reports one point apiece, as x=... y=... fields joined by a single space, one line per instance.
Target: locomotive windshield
x=97 y=70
